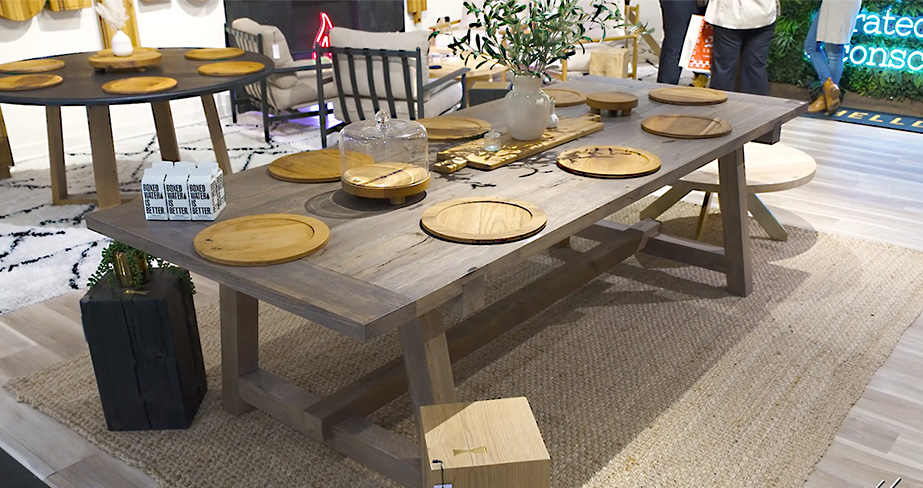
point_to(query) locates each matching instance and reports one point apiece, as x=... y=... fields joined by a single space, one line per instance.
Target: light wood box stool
x=609 y=61
x=485 y=444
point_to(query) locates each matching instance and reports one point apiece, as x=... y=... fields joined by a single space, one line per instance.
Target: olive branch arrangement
x=529 y=37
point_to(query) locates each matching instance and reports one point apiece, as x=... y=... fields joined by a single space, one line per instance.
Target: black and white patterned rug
x=46 y=250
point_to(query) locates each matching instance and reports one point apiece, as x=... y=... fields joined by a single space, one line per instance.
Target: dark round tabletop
x=83 y=84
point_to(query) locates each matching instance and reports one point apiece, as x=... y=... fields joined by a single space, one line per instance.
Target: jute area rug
x=648 y=376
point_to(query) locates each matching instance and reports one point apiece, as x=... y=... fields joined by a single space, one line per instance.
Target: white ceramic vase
x=121 y=44
x=527 y=108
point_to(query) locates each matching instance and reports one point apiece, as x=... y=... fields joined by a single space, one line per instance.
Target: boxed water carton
x=206 y=191
x=176 y=190
x=152 y=190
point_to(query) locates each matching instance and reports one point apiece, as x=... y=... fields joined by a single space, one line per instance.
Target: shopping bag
x=696 y=53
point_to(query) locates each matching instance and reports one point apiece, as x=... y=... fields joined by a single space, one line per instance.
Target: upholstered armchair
x=291 y=88
x=386 y=71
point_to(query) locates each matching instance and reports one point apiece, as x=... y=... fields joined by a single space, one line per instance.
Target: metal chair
x=280 y=96
x=368 y=80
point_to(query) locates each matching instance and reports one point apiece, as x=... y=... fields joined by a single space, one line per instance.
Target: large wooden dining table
x=380 y=271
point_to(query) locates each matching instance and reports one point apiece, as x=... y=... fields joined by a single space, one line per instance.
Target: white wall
x=161 y=23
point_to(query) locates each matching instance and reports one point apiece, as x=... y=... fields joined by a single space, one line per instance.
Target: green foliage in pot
x=120 y=258
x=788 y=63
x=529 y=37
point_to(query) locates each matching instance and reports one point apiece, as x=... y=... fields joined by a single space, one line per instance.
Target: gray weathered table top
x=379 y=268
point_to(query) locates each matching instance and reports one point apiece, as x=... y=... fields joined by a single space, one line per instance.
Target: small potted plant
x=131 y=268
x=527 y=38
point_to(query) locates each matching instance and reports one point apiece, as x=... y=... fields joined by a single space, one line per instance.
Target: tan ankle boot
x=818 y=105
x=700 y=80
x=831 y=96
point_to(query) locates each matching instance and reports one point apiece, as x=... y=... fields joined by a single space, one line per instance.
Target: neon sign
x=322 y=38
x=887 y=25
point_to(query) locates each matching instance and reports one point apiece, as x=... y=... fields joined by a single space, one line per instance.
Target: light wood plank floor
x=869 y=184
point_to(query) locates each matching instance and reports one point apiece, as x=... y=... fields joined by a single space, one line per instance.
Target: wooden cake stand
x=391 y=181
x=140 y=60
x=614 y=102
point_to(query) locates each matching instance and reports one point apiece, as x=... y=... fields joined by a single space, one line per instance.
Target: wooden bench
x=769 y=168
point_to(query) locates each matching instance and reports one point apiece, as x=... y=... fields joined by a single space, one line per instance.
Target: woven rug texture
x=649 y=376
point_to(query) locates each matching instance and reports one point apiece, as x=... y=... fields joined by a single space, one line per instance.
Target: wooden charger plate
x=230 y=68
x=138 y=85
x=686 y=126
x=609 y=162
x=687 y=95
x=32 y=66
x=321 y=166
x=483 y=220
x=259 y=240
x=564 y=97
x=214 y=53
x=28 y=82
x=452 y=127
x=394 y=181
x=140 y=59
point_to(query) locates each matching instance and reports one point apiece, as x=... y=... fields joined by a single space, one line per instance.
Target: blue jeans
x=676 y=14
x=826 y=57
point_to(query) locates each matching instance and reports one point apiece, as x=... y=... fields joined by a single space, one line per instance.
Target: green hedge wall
x=788 y=64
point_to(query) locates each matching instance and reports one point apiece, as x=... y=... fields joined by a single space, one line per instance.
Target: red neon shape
x=323 y=38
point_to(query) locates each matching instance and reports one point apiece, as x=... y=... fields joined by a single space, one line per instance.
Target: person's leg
x=834 y=55
x=754 y=57
x=724 y=55
x=676 y=14
x=813 y=49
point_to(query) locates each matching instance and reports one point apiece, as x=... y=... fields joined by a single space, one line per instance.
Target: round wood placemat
x=28 y=82
x=394 y=181
x=452 y=127
x=687 y=95
x=483 y=220
x=321 y=166
x=32 y=66
x=140 y=59
x=609 y=162
x=686 y=126
x=259 y=240
x=614 y=101
x=230 y=68
x=564 y=97
x=214 y=53
x=138 y=85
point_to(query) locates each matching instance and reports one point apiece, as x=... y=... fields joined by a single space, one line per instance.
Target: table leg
x=217 y=135
x=6 y=154
x=733 y=203
x=102 y=147
x=240 y=344
x=426 y=360
x=166 y=134
x=56 y=155
x=767 y=221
